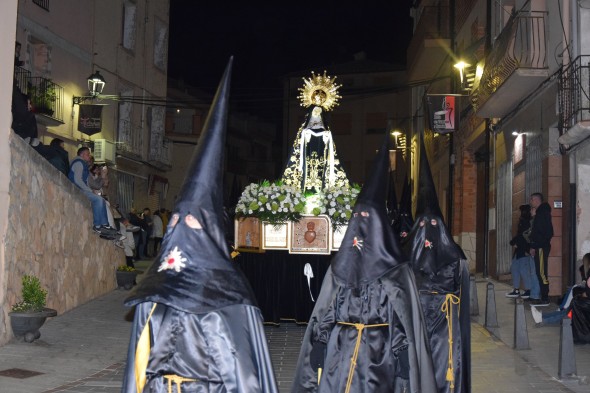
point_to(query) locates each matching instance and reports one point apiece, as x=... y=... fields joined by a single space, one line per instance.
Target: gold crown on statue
x=319 y=90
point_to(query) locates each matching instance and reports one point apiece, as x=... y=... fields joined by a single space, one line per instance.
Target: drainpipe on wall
x=573 y=207
x=486 y=200
x=451 y=135
x=488 y=125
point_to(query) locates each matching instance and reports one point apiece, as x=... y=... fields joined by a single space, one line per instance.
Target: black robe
x=384 y=351
x=223 y=350
x=442 y=276
x=196 y=318
x=581 y=318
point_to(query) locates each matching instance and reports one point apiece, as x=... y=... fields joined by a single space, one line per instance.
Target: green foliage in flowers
x=34 y=296
x=277 y=203
x=125 y=268
x=272 y=202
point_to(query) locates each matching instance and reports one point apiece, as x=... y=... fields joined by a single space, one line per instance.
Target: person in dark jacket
x=58 y=156
x=24 y=122
x=540 y=242
x=523 y=265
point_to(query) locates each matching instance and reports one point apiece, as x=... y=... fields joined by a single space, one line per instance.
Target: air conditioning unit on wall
x=104 y=151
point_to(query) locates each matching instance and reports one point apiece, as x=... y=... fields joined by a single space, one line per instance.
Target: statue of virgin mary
x=313 y=163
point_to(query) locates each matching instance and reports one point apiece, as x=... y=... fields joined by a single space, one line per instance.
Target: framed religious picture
x=311 y=235
x=337 y=236
x=276 y=236
x=248 y=232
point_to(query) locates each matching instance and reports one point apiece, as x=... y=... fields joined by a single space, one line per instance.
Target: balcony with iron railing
x=430 y=43
x=516 y=65
x=22 y=77
x=129 y=140
x=161 y=153
x=47 y=97
x=574 y=102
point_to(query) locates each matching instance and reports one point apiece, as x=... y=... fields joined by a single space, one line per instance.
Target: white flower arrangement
x=337 y=203
x=275 y=203
x=278 y=203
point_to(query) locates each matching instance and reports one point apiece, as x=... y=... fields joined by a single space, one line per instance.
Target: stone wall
x=50 y=235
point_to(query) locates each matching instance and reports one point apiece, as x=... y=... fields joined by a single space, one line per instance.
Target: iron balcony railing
x=129 y=139
x=161 y=153
x=574 y=93
x=22 y=78
x=47 y=98
x=520 y=45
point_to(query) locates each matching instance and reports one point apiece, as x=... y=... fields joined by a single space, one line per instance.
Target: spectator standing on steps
x=540 y=242
x=147 y=218
x=78 y=175
x=157 y=231
x=523 y=264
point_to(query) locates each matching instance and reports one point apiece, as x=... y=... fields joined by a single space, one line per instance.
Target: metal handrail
x=22 y=77
x=574 y=92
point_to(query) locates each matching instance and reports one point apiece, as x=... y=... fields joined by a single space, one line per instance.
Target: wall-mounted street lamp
x=461 y=66
x=95 y=85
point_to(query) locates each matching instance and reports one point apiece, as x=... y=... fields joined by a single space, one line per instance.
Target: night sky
x=271 y=41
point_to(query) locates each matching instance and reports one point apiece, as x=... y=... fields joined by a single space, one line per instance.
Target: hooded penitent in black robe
x=197 y=327
x=392 y=206
x=443 y=281
x=405 y=220
x=581 y=316
x=366 y=332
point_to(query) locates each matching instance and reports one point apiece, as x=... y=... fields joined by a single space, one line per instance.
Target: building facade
x=59 y=44
x=521 y=120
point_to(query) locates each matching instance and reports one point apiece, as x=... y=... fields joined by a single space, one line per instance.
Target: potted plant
x=126 y=276
x=43 y=97
x=28 y=315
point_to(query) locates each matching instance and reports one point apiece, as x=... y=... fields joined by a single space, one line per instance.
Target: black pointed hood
x=194 y=272
x=369 y=248
x=427 y=202
x=432 y=245
x=405 y=218
x=392 y=206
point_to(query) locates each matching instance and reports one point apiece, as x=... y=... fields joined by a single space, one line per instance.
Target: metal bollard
x=473 y=301
x=491 y=315
x=567 y=359
x=521 y=336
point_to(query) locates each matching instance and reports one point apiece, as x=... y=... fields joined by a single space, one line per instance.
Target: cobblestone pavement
x=84 y=350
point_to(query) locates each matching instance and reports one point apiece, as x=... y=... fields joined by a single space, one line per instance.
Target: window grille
x=42 y=3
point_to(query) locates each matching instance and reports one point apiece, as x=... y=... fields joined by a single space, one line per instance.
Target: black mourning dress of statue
x=442 y=275
x=366 y=332
x=197 y=327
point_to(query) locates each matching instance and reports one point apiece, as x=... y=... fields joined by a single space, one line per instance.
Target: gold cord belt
x=359 y=327
x=178 y=380
x=447 y=308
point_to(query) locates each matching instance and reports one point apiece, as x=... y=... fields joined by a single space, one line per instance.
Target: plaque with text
x=275 y=236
